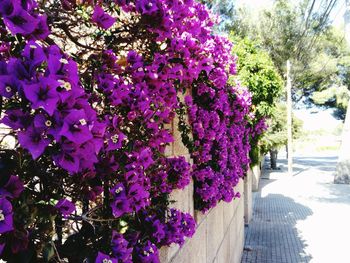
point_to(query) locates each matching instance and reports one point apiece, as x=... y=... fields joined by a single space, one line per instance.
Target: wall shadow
x=272 y=235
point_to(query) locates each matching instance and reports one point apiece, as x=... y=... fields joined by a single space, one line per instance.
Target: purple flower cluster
x=10 y=188
x=19 y=17
x=221 y=152
x=92 y=126
x=259 y=128
x=173 y=228
x=217 y=112
x=57 y=114
x=172 y=173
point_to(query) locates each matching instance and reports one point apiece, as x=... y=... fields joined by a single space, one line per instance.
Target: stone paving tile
x=300 y=219
x=271 y=237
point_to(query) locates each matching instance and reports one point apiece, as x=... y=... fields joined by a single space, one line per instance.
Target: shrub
x=88 y=90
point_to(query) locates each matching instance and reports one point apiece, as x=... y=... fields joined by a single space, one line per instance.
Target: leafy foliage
x=276 y=134
x=257 y=72
x=88 y=90
x=300 y=31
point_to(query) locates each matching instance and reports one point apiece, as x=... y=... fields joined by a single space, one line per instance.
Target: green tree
x=276 y=135
x=300 y=31
x=257 y=72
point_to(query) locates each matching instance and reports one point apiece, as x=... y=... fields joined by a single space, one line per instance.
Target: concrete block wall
x=257 y=174
x=219 y=237
x=248 y=196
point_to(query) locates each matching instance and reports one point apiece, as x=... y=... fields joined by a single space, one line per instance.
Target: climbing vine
x=88 y=89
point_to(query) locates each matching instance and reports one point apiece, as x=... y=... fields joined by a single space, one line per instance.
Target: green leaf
x=48 y=252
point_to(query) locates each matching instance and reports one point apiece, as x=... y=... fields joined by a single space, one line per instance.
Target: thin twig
x=55 y=248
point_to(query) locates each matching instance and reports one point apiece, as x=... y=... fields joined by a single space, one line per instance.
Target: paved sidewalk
x=304 y=218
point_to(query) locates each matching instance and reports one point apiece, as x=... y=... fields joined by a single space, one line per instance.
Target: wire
x=342 y=39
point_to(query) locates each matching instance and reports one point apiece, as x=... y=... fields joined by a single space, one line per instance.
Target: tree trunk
x=273 y=159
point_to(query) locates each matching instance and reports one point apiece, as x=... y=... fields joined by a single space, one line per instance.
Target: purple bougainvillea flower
x=6 y=7
x=43 y=94
x=16 y=119
x=20 y=21
x=75 y=127
x=103 y=258
x=62 y=67
x=41 y=30
x=157 y=228
x=34 y=53
x=2 y=246
x=29 y=5
x=139 y=195
x=146 y=6
x=101 y=18
x=120 y=248
x=65 y=207
x=6 y=220
x=145 y=158
x=4 y=48
x=13 y=188
x=42 y=122
x=68 y=158
x=120 y=206
x=9 y=85
x=22 y=70
x=98 y=131
x=147 y=253
x=118 y=191
x=115 y=141
x=3 y=68
x=34 y=141
x=68 y=4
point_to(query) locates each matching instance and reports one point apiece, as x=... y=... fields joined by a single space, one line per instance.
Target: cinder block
x=256 y=177
x=237 y=235
x=224 y=253
x=215 y=232
x=228 y=213
x=240 y=245
x=167 y=253
x=183 y=199
x=248 y=197
x=200 y=217
x=239 y=189
x=240 y=186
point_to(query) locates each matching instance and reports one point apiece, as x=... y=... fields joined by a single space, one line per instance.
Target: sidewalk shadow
x=327 y=164
x=272 y=235
x=335 y=193
x=302 y=164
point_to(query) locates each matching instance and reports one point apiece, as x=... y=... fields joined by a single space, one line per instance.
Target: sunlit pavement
x=304 y=218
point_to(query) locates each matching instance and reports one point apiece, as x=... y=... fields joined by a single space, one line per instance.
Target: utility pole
x=347 y=21
x=289 y=119
x=342 y=176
